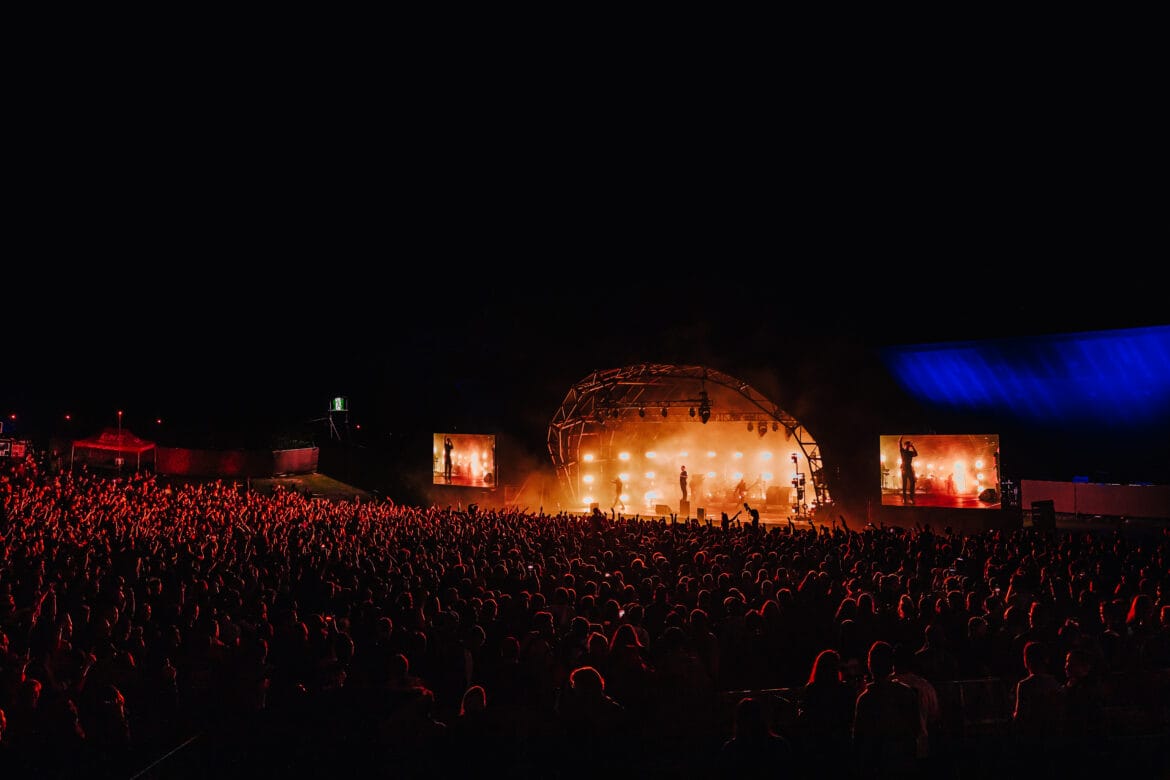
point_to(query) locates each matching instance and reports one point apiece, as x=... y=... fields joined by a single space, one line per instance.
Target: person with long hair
x=824 y=717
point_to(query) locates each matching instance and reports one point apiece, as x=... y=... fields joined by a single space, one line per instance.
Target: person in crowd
x=886 y=721
x=754 y=744
x=1038 y=713
x=824 y=720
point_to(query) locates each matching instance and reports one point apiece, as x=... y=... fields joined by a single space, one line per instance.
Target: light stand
x=798 y=485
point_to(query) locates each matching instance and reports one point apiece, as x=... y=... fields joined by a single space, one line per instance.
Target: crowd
x=218 y=630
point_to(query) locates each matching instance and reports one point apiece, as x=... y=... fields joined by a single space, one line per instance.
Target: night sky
x=447 y=286
x=227 y=355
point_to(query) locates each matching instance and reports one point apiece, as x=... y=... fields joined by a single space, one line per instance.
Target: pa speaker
x=701 y=514
x=662 y=509
x=989 y=495
x=1044 y=515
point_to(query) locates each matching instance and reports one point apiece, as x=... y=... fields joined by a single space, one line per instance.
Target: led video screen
x=464 y=460
x=956 y=471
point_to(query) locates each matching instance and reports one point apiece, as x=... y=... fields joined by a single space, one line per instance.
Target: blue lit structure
x=1116 y=378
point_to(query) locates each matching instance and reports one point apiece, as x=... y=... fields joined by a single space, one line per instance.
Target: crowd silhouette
x=207 y=629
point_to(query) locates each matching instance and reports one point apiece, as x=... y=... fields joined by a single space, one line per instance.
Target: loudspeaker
x=662 y=509
x=701 y=514
x=773 y=495
x=989 y=495
x=1044 y=515
x=684 y=508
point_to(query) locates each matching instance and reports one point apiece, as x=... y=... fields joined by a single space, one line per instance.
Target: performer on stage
x=909 y=453
x=447 y=447
x=682 y=482
x=617 y=494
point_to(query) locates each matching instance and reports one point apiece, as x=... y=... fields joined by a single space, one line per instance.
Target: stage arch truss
x=642 y=423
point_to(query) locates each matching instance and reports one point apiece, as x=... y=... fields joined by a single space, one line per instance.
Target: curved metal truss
x=648 y=393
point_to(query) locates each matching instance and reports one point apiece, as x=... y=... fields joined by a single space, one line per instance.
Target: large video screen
x=957 y=471
x=464 y=460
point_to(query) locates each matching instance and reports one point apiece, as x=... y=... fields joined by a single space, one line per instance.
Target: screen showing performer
x=464 y=460
x=957 y=471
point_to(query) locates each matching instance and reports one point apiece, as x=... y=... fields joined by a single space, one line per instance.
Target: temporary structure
x=114 y=442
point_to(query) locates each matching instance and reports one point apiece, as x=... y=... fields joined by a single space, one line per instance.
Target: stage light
x=588 y=457
x=158 y=421
x=664 y=411
x=704 y=407
x=683 y=454
x=737 y=475
x=625 y=497
x=883 y=458
x=711 y=474
x=766 y=455
x=649 y=475
x=959 y=464
x=623 y=456
x=749 y=426
x=624 y=477
x=792 y=457
x=767 y=475
x=68 y=417
x=710 y=453
x=979 y=477
x=737 y=455
x=651 y=454
x=587 y=479
x=978 y=464
x=763 y=429
x=692 y=411
x=613 y=413
x=775 y=426
x=588 y=500
x=641 y=411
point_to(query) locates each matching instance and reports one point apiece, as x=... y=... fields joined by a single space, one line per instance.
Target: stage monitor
x=464 y=460
x=953 y=471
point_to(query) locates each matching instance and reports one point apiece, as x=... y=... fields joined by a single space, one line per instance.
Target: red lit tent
x=115 y=444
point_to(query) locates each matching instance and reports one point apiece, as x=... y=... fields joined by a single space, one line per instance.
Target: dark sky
x=434 y=343
x=239 y=275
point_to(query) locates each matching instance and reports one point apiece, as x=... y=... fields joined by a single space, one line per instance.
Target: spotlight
x=749 y=426
x=613 y=413
x=704 y=407
x=664 y=411
x=763 y=429
x=641 y=411
x=775 y=426
x=692 y=411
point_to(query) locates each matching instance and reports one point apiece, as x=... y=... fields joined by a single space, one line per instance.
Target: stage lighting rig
x=704 y=407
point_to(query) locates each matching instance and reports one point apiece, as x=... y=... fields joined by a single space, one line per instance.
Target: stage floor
x=939 y=500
